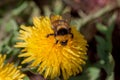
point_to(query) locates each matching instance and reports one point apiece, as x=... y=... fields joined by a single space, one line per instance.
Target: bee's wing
x=66 y=16
x=52 y=17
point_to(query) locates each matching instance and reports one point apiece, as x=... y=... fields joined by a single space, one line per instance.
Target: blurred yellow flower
x=54 y=60
x=9 y=71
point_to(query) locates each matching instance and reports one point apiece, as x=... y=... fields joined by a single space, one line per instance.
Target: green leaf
x=102 y=28
x=18 y=10
x=93 y=73
x=26 y=78
x=110 y=77
x=11 y=25
x=58 y=7
x=101 y=48
x=104 y=48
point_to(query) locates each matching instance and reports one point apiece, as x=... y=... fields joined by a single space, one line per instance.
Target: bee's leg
x=71 y=35
x=52 y=34
x=64 y=42
x=56 y=41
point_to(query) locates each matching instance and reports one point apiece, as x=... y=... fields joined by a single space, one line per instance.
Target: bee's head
x=62 y=31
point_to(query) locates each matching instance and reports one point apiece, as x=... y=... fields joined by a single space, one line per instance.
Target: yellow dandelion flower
x=54 y=60
x=9 y=71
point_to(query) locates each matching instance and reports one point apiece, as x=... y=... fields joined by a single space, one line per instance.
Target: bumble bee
x=61 y=28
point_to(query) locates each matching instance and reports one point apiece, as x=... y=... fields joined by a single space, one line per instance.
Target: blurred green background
x=97 y=20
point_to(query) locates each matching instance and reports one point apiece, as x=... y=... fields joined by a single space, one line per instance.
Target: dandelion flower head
x=9 y=71
x=54 y=60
